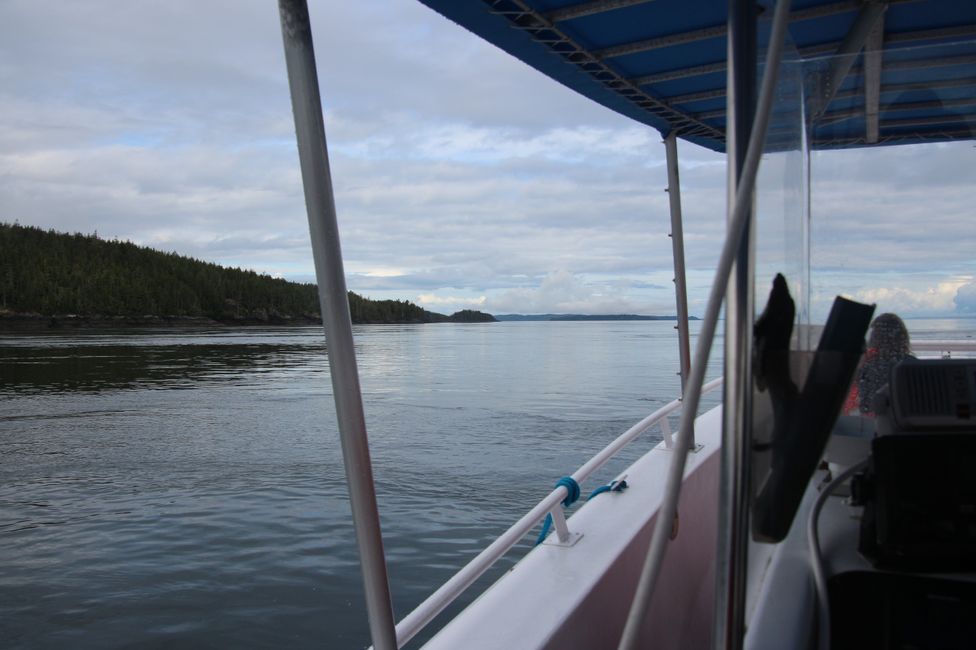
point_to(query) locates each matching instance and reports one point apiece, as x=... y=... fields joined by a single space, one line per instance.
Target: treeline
x=50 y=274
x=364 y=310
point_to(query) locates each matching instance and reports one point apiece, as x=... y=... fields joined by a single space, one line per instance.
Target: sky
x=463 y=178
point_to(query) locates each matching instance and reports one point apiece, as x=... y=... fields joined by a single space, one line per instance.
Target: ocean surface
x=185 y=488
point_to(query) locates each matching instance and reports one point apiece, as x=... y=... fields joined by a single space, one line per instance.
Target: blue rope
x=572 y=496
x=613 y=486
x=573 y=489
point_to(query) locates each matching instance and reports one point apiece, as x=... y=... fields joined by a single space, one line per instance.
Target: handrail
x=611 y=450
x=425 y=612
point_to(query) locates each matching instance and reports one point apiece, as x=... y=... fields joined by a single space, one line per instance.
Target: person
x=888 y=344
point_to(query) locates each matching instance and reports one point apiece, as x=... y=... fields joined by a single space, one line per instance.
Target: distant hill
x=51 y=277
x=583 y=317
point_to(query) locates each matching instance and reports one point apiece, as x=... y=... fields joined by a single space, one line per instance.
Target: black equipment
x=919 y=493
x=803 y=420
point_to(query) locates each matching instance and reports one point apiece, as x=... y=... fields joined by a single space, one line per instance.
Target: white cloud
x=455 y=302
x=920 y=294
x=566 y=145
x=938 y=298
x=376 y=271
x=965 y=298
x=564 y=292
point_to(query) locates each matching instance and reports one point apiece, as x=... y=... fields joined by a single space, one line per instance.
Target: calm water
x=171 y=488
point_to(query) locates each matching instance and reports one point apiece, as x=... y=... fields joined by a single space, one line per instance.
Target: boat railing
x=424 y=613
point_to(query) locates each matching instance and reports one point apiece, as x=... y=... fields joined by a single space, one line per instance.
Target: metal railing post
x=678 y=256
x=320 y=205
x=666 y=433
x=559 y=523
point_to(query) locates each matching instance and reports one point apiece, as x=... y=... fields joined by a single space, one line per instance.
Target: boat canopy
x=890 y=72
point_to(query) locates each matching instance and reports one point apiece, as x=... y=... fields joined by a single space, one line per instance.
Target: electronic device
x=919 y=492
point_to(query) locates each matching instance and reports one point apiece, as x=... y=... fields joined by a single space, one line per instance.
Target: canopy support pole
x=334 y=302
x=733 y=505
x=678 y=256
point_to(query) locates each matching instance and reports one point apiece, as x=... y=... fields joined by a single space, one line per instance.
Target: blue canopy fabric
x=662 y=62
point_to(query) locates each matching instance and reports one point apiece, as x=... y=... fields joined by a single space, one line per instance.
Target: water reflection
x=99 y=363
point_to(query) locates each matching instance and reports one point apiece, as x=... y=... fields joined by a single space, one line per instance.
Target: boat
x=769 y=521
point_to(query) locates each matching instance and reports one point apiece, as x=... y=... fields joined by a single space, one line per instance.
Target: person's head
x=888 y=333
x=887 y=345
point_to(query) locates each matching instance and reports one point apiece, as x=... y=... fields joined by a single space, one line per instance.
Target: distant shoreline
x=585 y=317
x=35 y=322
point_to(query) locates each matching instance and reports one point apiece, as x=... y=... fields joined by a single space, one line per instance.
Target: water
x=185 y=488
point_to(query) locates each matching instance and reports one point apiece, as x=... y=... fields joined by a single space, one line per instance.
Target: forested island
x=49 y=278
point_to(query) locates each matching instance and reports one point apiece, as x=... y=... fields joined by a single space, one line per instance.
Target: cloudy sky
x=462 y=177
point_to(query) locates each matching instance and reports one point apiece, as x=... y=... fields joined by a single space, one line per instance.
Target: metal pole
x=678 y=255
x=733 y=525
x=320 y=205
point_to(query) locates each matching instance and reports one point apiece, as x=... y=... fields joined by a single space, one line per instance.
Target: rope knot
x=572 y=489
x=572 y=496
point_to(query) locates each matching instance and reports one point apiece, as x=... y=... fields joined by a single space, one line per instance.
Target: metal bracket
x=553 y=540
x=692 y=450
x=562 y=536
x=871 y=12
x=669 y=438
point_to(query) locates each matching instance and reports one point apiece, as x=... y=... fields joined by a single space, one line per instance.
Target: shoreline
x=71 y=321
x=38 y=322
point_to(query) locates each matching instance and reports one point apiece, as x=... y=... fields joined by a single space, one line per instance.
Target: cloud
x=581 y=144
x=895 y=209
x=564 y=292
x=431 y=300
x=918 y=294
x=965 y=298
x=938 y=298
